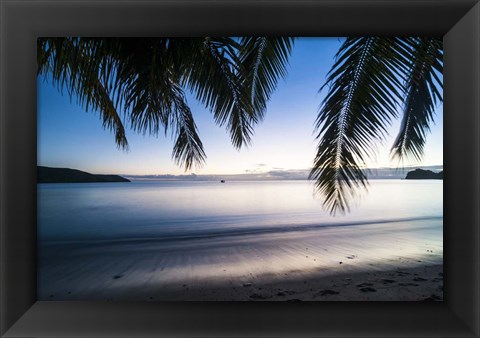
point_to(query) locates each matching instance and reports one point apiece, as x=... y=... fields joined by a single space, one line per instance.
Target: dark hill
x=65 y=175
x=420 y=174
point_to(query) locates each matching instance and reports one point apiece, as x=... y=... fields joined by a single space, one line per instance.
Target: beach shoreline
x=424 y=283
x=400 y=261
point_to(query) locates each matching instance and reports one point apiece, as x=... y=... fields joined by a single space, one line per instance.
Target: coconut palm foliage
x=142 y=82
x=370 y=78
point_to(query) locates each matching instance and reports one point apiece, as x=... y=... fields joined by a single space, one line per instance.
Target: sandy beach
x=399 y=260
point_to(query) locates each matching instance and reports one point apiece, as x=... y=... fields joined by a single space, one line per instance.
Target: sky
x=70 y=137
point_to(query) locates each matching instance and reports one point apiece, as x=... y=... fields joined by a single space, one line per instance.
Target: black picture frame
x=22 y=21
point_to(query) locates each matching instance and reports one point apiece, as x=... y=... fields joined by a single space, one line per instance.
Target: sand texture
x=374 y=262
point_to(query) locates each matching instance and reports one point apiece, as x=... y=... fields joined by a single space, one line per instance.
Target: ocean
x=239 y=240
x=166 y=209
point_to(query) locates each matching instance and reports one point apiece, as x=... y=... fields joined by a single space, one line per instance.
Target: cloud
x=289 y=174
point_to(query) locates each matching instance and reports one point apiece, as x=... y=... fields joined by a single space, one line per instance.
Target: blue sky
x=70 y=137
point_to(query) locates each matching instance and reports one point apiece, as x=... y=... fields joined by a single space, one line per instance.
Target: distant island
x=420 y=174
x=66 y=175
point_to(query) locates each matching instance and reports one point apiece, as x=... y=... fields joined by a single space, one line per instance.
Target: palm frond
x=143 y=84
x=188 y=149
x=233 y=77
x=148 y=84
x=213 y=76
x=423 y=92
x=364 y=87
x=264 y=61
x=73 y=64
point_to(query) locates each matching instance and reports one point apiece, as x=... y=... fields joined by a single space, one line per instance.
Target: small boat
x=222 y=181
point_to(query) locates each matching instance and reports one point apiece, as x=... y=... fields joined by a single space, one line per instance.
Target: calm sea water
x=163 y=209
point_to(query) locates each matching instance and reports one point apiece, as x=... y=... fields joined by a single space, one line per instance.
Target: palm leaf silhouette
x=74 y=66
x=145 y=80
x=214 y=77
x=422 y=96
x=365 y=86
x=264 y=60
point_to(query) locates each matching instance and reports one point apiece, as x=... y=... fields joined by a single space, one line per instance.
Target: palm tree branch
x=264 y=61
x=73 y=67
x=188 y=149
x=421 y=98
x=213 y=77
x=364 y=88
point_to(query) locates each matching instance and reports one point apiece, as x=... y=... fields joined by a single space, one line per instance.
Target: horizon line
x=281 y=174
x=294 y=174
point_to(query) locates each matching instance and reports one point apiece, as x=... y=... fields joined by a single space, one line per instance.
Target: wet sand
x=399 y=260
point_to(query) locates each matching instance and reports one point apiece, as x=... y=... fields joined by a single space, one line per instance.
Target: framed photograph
x=236 y=224
x=227 y=168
